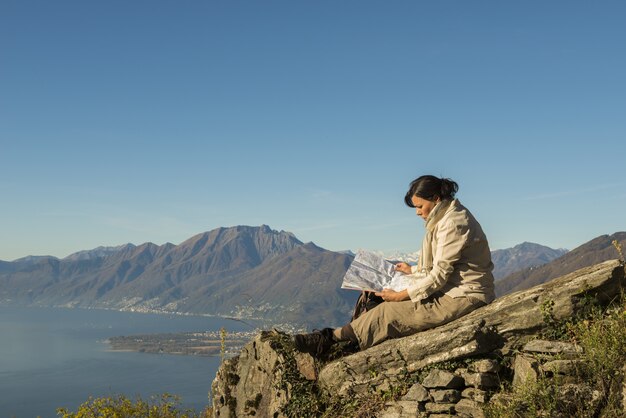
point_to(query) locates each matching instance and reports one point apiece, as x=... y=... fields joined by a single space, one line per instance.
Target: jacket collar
x=437 y=213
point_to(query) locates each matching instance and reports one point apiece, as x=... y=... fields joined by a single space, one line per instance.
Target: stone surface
x=474 y=394
x=399 y=409
x=439 y=408
x=252 y=384
x=525 y=370
x=445 y=395
x=484 y=366
x=255 y=384
x=481 y=380
x=470 y=408
x=552 y=347
x=573 y=395
x=306 y=366
x=562 y=367
x=417 y=393
x=624 y=389
x=391 y=359
x=502 y=324
x=442 y=379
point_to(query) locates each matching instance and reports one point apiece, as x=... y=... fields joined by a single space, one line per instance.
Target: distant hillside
x=524 y=255
x=506 y=261
x=97 y=252
x=242 y=271
x=593 y=252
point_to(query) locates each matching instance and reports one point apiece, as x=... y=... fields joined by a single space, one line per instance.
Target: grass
x=602 y=336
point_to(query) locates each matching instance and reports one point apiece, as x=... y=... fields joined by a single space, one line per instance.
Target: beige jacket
x=455 y=258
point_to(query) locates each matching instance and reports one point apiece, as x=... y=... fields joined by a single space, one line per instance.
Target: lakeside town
x=207 y=343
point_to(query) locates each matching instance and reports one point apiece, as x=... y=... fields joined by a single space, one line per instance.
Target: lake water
x=52 y=358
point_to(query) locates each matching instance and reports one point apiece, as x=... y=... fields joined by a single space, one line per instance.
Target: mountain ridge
x=247 y=272
x=202 y=275
x=592 y=252
x=524 y=255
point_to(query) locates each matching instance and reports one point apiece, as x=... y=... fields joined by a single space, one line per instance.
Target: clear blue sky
x=136 y=121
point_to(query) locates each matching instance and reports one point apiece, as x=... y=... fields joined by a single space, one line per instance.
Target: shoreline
x=12 y=304
x=254 y=323
x=204 y=344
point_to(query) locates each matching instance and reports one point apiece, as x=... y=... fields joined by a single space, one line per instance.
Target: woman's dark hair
x=430 y=188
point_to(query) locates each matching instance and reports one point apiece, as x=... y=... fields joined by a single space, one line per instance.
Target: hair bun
x=448 y=188
x=430 y=188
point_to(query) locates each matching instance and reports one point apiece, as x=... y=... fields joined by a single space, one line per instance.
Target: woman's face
x=423 y=207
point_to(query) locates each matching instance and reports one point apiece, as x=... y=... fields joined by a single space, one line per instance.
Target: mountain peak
x=97 y=252
x=592 y=252
x=511 y=260
x=211 y=272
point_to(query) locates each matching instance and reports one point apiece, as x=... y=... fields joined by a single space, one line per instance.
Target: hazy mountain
x=524 y=255
x=97 y=252
x=301 y=284
x=595 y=251
x=240 y=271
x=505 y=261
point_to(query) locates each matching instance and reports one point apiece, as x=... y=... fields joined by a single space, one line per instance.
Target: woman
x=452 y=278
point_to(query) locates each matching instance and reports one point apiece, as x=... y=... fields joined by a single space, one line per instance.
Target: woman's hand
x=389 y=295
x=403 y=268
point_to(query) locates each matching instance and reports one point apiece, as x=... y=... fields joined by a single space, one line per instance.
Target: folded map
x=369 y=271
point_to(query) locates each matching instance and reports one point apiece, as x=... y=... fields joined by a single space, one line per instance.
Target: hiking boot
x=316 y=343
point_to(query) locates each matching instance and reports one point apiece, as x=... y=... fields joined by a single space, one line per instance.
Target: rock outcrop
x=268 y=377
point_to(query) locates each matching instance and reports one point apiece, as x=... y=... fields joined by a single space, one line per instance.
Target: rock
x=439 y=408
x=259 y=381
x=560 y=348
x=390 y=360
x=525 y=370
x=399 y=409
x=446 y=395
x=562 y=367
x=442 y=379
x=470 y=408
x=264 y=379
x=624 y=389
x=474 y=394
x=391 y=412
x=481 y=380
x=575 y=397
x=500 y=325
x=501 y=398
x=484 y=366
x=306 y=366
x=417 y=393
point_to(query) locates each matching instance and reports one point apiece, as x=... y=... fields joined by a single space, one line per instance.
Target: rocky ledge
x=455 y=369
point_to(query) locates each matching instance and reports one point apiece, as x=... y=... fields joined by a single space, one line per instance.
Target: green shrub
x=119 y=406
x=604 y=354
x=601 y=333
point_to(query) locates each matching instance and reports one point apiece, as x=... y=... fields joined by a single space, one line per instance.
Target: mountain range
x=524 y=255
x=595 y=251
x=242 y=272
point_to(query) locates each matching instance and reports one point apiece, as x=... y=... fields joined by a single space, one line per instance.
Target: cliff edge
x=454 y=369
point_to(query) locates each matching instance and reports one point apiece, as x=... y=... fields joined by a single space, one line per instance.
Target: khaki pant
x=399 y=319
